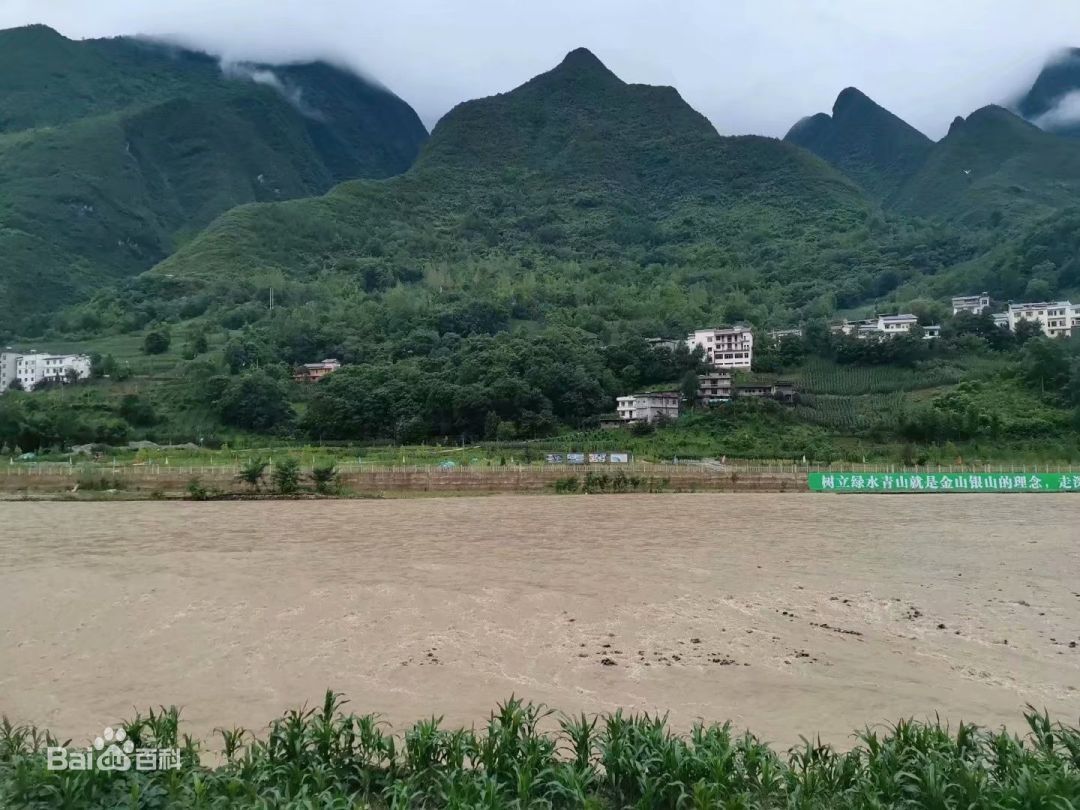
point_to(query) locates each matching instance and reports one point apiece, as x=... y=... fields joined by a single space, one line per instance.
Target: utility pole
x=271 y=299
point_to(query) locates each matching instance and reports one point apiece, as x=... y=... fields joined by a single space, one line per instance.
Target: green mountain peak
x=851 y=97
x=582 y=60
x=576 y=119
x=868 y=143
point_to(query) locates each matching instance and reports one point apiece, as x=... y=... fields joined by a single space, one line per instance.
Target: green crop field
x=529 y=757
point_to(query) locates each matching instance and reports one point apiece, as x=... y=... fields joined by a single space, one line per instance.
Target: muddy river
x=787 y=614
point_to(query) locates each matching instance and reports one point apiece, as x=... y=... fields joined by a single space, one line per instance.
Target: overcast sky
x=749 y=65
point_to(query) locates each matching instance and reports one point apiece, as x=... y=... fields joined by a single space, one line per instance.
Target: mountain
x=573 y=164
x=113 y=152
x=1053 y=102
x=505 y=284
x=993 y=167
x=865 y=141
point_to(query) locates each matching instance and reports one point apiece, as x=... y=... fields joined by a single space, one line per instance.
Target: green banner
x=944 y=482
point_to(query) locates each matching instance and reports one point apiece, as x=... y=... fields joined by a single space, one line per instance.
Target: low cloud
x=243 y=71
x=1065 y=113
x=749 y=65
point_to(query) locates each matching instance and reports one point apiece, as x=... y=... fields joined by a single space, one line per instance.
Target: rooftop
x=901 y=317
x=1041 y=305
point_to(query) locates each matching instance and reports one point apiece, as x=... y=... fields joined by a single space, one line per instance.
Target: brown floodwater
x=787 y=614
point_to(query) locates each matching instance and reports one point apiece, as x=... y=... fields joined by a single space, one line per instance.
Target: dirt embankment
x=128 y=482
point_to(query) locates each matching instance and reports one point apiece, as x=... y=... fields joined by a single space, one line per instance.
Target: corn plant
x=324 y=478
x=323 y=757
x=286 y=476
x=252 y=472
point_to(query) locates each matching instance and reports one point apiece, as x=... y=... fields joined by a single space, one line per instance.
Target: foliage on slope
x=117 y=150
x=993 y=169
x=576 y=173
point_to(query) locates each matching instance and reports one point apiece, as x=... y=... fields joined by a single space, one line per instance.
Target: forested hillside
x=114 y=152
x=579 y=182
x=993 y=168
x=504 y=285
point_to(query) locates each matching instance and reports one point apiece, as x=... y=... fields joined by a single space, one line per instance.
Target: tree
x=966 y=324
x=251 y=473
x=255 y=401
x=1026 y=330
x=156 y=342
x=197 y=344
x=137 y=410
x=1045 y=364
x=244 y=352
x=689 y=388
x=324 y=477
x=1072 y=389
x=1038 y=289
x=818 y=338
x=286 y=476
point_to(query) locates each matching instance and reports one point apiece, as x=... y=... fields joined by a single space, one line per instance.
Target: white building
x=714 y=387
x=649 y=407
x=9 y=364
x=33 y=368
x=887 y=326
x=662 y=343
x=724 y=348
x=781 y=334
x=975 y=304
x=313 y=372
x=1056 y=318
x=895 y=324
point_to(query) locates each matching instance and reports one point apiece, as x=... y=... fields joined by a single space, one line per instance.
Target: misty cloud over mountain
x=749 y=66
x=1066 y=113
x=259 y=74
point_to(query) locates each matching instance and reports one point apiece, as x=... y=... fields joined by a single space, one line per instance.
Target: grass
x=526 y=756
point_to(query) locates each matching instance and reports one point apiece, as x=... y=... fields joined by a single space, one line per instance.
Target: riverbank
x=80 y=482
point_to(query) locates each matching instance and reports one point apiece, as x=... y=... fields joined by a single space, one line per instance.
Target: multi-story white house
x=975 y=304
x=724 y=347
x=33 y=368
x=714 y=387
x=649 y=407
x=1056 y=318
